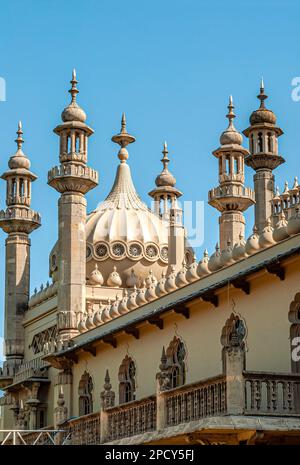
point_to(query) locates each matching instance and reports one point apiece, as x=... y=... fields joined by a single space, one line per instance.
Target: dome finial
x=74 y=91
x=262 y=96
x=165 y=159
x=123 y=139
x=230 y=115
x=19 y=140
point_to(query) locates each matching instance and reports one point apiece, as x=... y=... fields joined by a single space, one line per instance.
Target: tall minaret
x=18 y=221
x=231 y=198
x=165 y=197
x=72 y=179
x=263 y=145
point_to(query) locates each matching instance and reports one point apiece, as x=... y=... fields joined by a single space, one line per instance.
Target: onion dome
x=280 y=231
x=266 y=236
x=89 y=323
x=214 y=263
x=239 y=249
x=114 y=279
x=165 y=178
x=262 y=115
x=105 y=313
x=231 y=135
x=203 y=269
x=150 y=292
x=181 y=276
x=252 y=244
x=132 y=280
x=123 y=308
x=19 y=160
x=171 y=281
x=141 y=295
x=161 y=285
x=226 y=255
x=131 y=303
x=98 y=316
x=114 y=309
x=73 y=112
x=191 y=274
x=96 y=277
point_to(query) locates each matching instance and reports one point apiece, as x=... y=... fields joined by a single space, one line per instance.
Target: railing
x=267 y=393
x=41 y=437
x=131 y=419
x=196 y=401
x=85 y=430
x=33 y=368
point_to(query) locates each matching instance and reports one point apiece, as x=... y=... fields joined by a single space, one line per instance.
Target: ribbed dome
x=123 y=215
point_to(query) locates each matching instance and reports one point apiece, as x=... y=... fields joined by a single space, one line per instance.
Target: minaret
x=231 y=198
x=18 y=221
x=165 y=197
x=165 y=194
x=263 y=145
x=72 y=179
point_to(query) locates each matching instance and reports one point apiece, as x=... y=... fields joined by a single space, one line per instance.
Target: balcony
x=208 y=404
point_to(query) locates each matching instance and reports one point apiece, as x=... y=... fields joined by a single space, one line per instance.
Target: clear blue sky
x=171 y=65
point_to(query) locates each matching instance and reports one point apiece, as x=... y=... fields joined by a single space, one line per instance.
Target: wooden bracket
x=133 y=331
x=92 y=350
x=183 y=310
x=155 y=320
x=211 y=297
x=277 y=269
x=242 y=284
x=110 y=339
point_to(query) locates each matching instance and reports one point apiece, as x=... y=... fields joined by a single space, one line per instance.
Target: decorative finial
x=230 y=115
x=19 y=140
x=74 y=91
x=262 y=96
x=165 y=159
x=123 y=139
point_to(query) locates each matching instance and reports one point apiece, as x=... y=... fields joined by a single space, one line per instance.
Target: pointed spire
x=262 y=96
x=230 y=115
x=123 y=139
x=165 y=159
x=74 y=91
x=19 y=140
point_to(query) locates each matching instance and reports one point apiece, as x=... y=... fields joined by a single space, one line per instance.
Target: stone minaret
x=165 y=197
x=263 y=145
x=18 y=221
x=72 y=179
x=231 y=198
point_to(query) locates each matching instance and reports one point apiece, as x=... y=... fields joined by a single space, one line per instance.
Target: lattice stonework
x=39 y=340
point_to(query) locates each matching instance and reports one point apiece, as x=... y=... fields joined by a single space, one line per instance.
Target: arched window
x=85 y=394
x=176 y=355
x=270 y=142
x=127 y=381
x=260 y=142
x=251 y=144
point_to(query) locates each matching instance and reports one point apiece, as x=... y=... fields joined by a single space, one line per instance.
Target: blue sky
x=170 y=65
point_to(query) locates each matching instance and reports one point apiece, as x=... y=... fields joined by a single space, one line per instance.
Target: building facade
x=135 y=341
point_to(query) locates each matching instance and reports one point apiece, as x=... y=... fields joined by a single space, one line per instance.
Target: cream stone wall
x=265 y=312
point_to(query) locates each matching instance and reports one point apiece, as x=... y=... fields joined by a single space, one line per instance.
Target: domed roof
x=262 y=114
x=123 y=216
x=165 y=178
x=231 y=135
x=73 y=112
x=19 y=160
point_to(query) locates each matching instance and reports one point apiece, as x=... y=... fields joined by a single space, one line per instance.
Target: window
x=176 y=355
x=127 y=381
x=46 y=337
x=85 y=394
x=260 y=142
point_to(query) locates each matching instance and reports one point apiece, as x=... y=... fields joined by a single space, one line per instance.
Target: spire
x=165 y=178
x=73 y=112
x=230 y=115
x=262 y=96
x=231 y=135
x=123 y=139
x=74 y=91
x=19 y=140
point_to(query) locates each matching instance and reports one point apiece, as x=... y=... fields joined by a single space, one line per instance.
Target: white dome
x=125 y=233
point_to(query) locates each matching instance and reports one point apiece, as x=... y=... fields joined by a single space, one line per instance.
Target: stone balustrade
x=33 y=368
x=265 y=393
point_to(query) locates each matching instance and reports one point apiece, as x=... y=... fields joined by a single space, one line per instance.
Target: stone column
x=264 y=193
x=16 y=294
x=235 y=386
x=232 y=225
